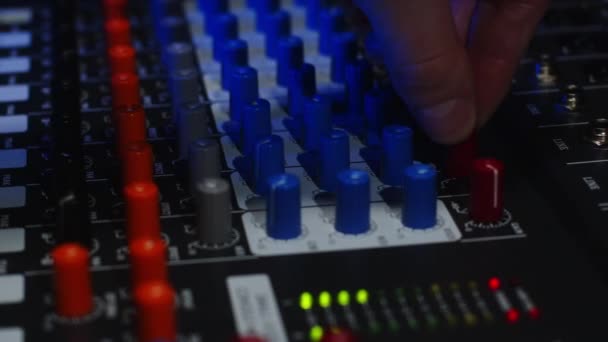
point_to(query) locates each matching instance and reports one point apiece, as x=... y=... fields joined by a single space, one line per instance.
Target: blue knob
x=335 y=158
x=358 y=82
x=420 y=200
x=331 y=21
x=256 y=124
x=212 y=7
x=243 y=90
x=225 y=28
x=353 y=202
x=179 y=55
x=376 y=109
x=235 y=55
x=302 y=85
x=262 y=9
x=291 y=56
x=170 y=29
x=283 y=213
x=317 y=121
x=277 y=25
x=268 y=161
x=313 y=9
x=344 y=52
x=396 y=154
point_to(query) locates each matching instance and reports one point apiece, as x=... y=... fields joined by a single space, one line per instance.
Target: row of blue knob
x=352 y=214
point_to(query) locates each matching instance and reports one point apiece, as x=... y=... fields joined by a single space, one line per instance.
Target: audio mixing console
x=241 y=171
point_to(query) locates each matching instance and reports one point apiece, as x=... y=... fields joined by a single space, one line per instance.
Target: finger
x=462 y=11
x=428 y=64
x=502 y=30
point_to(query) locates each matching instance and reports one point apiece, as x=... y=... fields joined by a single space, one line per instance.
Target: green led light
x=362 y=296
x=344 y=298
x=325 y=299
x=306 y=301
x=316 y=333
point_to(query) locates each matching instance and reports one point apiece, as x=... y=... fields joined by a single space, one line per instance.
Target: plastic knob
x=131 y=122
x=283 y=213
x=291 y=56
x=191 y=126
x=122 y=59
x=243 y=90
x=396 y=154
x=72 y=280
x=180 y=56
x=359 y=80
x=344 y=51
x=148 y=259
x=268 y=161
x=125 y=90
x=331 y=22
x=317 y=121
x=137 y=162
x=353 y=202
x=276 y=26
x=235 y=55
x=155 y=304
x=204 y=161
x=335 y=158
x=213 y=211
x=118 y=32
x=226 y=27
x=420 y=201
x=142 y=210
x=487 y=190
x=256 y=124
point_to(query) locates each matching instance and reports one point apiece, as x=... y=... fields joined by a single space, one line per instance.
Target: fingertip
x=450 y=122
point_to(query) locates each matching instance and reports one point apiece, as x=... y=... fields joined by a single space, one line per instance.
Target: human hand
x=452 y=61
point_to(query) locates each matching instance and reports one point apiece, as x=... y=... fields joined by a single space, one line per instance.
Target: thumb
x=427 y=63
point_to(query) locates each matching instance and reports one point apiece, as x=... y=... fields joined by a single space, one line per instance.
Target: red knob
x=115 y=8
x=143 y=218
x=137 y=162
x=487 y=190
x=131 y=128
x=460 y=158
x=73 y=292
x=125 y=90
x=339 y=335
x=122 y=59
x=118 y=32
x=148 y=260
x=155 y=303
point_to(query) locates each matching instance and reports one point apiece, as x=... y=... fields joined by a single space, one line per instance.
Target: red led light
x=534 y=313
x=512 y=316
x=494 y=283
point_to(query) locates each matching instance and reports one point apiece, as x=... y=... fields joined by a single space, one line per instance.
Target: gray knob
x=204 y=161
x=191 y=126
x=184 y=86
x=180 y=56
x=213 y=216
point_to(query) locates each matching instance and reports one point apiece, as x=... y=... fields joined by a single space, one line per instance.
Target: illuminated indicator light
x=316 y=333
x=512 y=316
x=494 y=283
x=343 y=298
x=534 y=313
x=362 y=296
x=306 y=301
x=324 y=299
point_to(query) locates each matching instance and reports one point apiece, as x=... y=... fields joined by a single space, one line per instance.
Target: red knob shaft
x=118 y=32
x=131 y=128
x=148 y=260
x=142 y=207
x=73 y=292
x=122 y=59
x=155 y=303
x=125 y=90
x=487 y=190
x=137 y=162
x=115 y=8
